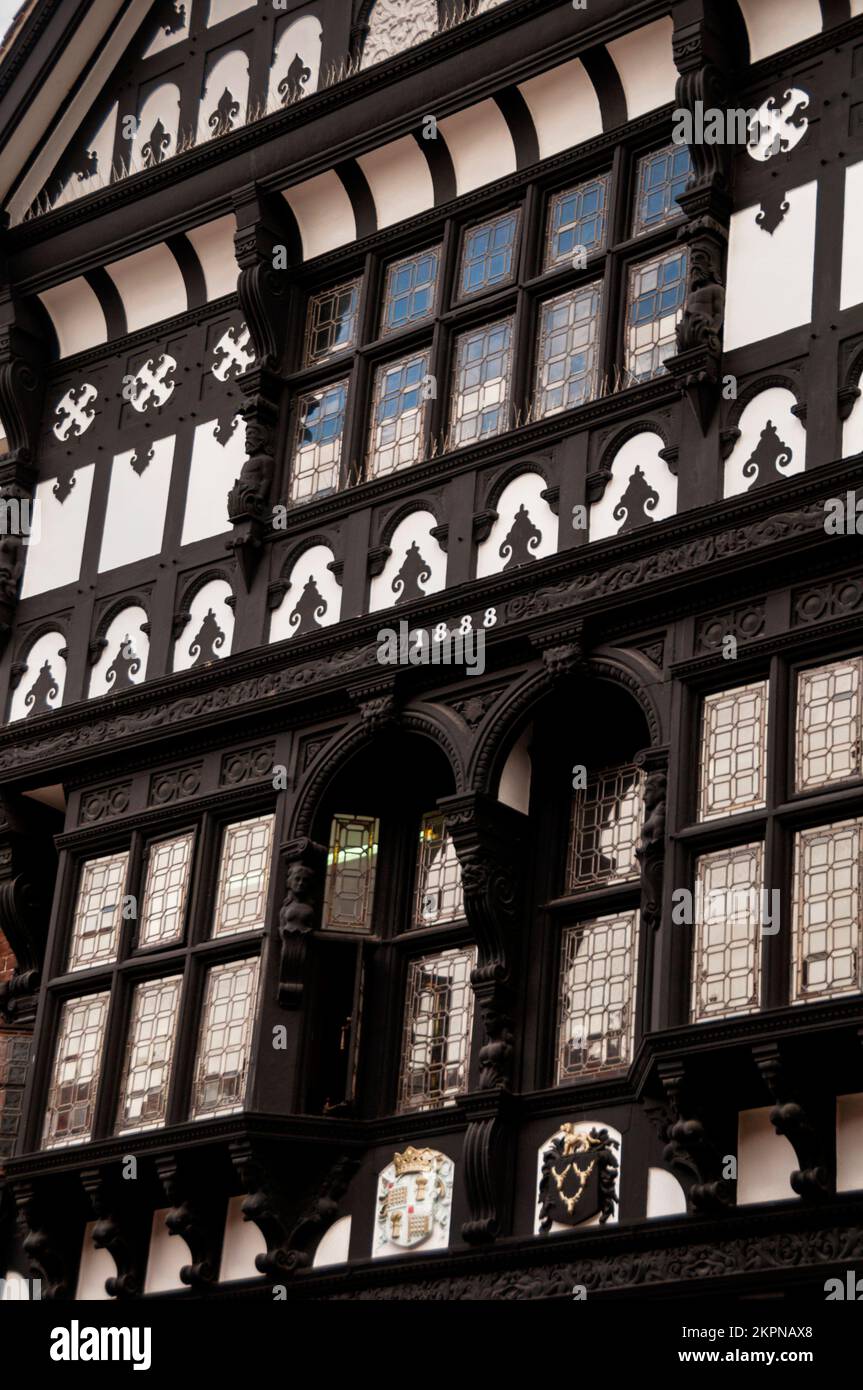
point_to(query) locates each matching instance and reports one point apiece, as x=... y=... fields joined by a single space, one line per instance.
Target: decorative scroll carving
x=521 y=541
x=45 y=1244
x=193 y=1217
x=807 y=1122
x=318 y=1216
x=264 y=1205
x=105 y=802
x=689 y=1147
x=413 y=572
x=304 y=864
x=486 y=1167
x=121 y=1229
x=770 y=454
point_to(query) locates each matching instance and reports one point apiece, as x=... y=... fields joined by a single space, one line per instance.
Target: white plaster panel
x=96 y=1266
x=214 y=469
x=770 y=276
x=230 y=73
x=514 y=787
x=76 y=314
x=166 y=1257
x=212 y=599
x=641 y=451
x=163 y=40
x=557 y=1226
x=564 y=107
x=665 y=1196
x=102 y=145
x=400 y=180
x=226 y=9
x=334 y=1245
x=46 y=648
x=414 y=529
x=55 y=559
x=852 y=237
x=480 y=145
x=303 y=40
x=213 y=244
x=137 y=502
x=162 y=104
x=772 y=405
x=524 y=491
x=856 y=7
x=645 y=65
x=852 y=428
x=765 y=1160
x=849 y=1143
x=324 y=213
x=776 y=24
x=150 y=285
x=125 y=633
x=242 y=1242
x=311 y=566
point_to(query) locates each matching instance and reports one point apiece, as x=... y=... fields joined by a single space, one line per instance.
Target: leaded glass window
x=438 y=896
x=826 y=910
x=166 y=890
x=657 y=290
x=149 y=1055
x=98 y=911
x=487 y=254
x=660 y=180
x=828 y=724
x=596 y=1003
x=733 y=772
x=225 y=1035
x=398 y=414
x=605 y=827
x=481 y=383
x=437 y=1029
x=576 y=222
x=244 y=876
x=75 y=1078
x=351 y=867
x=409 y=290
x=318 y=433
x=728 y=917
x=566 y=353
x=331 y=322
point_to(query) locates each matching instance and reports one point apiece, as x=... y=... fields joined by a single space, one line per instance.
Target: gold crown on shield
x=414 y=1161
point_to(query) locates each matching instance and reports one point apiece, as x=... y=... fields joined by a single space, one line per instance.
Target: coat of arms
x=414 y=1199
x=578 y=1178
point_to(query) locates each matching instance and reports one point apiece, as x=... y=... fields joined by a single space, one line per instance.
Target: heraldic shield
x=578 y=1178
x=414 y=1198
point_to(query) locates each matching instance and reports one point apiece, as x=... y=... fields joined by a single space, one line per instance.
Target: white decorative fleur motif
x=414 y=1201
x=778 y=125
x=232 y=353
x=74 y=412
x=151 y=385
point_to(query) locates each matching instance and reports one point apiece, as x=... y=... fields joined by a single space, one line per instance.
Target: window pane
x=727 y=950
x=438 y=1023
x=223 y=1041
x=605 y=827
x=596 y=1007
x=318 y=432
x=733 y=751
x=409 y=290
x=398 y=414
x=576 y=222
x=75 y=1079
x=351 y=866
x=244 y=875
x=566 y=349
x=166 y=890
x=827 y=925
x=828 y=724
x=487 y=254
x=660 y=179
x=438 y=895
x=481 y=380
x=149 y=1055
x=657 y=289
x=98 y=911
x=331 y=322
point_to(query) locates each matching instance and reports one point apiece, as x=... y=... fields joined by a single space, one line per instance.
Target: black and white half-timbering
x=431 y=671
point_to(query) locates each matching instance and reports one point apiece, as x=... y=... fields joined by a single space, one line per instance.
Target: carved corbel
x=304 y=864
x=486 y=1160
x=377 y=704
x=563 y=651
x=806 y=1121
x=194 y=1218
x=121 y=1229
x=690 y=1149
x=264 y=1204
x=318 y=1216
x=650 y=851
x=27 y=867
x=249 y=506
x=46 y=1246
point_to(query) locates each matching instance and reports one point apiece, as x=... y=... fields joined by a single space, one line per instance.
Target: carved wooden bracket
x=563 y=651
x=487 y=1157
x=650 y=851
x=122 y=1228
x=264 y=1204
x=304 y=865
x=27 y=868
x=46 y=1246
x=318 y=1216
x=194 y=1216
x=805 y=1118
x=689 y=1147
